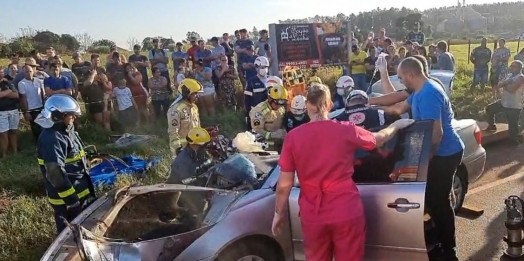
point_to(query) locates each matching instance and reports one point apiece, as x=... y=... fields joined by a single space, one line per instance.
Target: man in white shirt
x=32 y=95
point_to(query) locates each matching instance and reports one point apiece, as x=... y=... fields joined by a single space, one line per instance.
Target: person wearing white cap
x=344 y=85
x=361 y=114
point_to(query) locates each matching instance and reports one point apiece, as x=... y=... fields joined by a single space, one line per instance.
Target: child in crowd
x=127 y=108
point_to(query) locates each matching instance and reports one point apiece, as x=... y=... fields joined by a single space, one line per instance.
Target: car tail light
x=478 y=134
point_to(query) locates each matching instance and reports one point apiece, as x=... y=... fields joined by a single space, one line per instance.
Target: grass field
x=26 y=219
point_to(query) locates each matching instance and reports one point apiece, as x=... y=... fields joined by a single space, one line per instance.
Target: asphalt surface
x=480 y=238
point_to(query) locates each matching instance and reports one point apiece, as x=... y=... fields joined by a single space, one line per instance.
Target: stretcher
x=105 y=169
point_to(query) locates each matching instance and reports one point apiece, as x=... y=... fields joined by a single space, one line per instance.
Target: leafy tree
x=192 y=34
x=255 y=34
x=147 y=44
x=103 y=42
x=21 y=45
x=44 y=39
x=5 y=50
x=69 y=42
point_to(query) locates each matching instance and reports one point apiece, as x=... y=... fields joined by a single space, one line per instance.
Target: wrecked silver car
x=235 y=225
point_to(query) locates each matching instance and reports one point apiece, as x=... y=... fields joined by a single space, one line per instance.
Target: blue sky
x=119 y=20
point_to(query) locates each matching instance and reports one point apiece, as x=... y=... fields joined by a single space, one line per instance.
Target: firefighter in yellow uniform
x=266 y=117
x=183 y=115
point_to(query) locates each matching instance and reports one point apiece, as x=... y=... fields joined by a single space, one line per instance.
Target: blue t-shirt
x=243 y=44
x=431 y=103
x=175 y=55
x=203 y=53
x=58 y=83
x=250 y=73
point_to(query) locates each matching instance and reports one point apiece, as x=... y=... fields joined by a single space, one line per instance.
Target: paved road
x=480 y=239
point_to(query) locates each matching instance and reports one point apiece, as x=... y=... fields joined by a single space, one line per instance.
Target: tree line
x=501 y=18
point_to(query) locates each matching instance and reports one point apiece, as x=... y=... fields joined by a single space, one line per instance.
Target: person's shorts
x=9 y=120
x=480 y=76
x=98 y=107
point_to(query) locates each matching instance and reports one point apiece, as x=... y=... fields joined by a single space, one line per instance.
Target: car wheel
x=459 y=189
x=249 y=251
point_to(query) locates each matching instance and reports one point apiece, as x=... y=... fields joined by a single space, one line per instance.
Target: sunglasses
x=223 y=60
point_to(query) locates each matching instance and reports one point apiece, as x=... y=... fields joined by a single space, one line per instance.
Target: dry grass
x=26 y=222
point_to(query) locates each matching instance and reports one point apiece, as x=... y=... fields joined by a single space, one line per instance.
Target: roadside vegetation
x=26 y=219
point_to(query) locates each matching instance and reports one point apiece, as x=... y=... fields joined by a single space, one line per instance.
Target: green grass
x=26 y=219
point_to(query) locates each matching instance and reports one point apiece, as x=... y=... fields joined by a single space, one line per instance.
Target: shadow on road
x=504 y=159
x=494 y=245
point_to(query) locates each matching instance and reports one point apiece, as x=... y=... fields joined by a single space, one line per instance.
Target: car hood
x=127 y=224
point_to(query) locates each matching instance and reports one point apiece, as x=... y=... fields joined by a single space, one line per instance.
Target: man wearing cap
x=38 y=72
x=241 y=49
x=141 y=62
x=247 y=62
x=358 y=70
x=178 y=56
x=361 y=114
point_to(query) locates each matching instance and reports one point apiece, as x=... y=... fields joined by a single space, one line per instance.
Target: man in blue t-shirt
x=241 y=50
x=57 y=83
x=428 y=101
x=248 y=63
x=178 y=56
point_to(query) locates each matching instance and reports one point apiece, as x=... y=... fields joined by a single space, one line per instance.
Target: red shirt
x=322 y=154
x=191 y=52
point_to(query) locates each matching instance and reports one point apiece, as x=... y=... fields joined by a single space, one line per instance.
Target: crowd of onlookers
x=364 y=55
x=143 y=86
x=136 y=87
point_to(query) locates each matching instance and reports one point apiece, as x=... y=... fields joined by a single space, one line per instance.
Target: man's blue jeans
x=480 y=76
x=361 y=81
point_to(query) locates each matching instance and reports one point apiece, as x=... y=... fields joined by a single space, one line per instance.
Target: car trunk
x=148 y=225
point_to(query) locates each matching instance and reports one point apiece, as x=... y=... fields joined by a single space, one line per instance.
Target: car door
x=394 y=210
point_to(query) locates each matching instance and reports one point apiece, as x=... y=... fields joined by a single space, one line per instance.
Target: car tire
x=251 y=250
x=459 y=189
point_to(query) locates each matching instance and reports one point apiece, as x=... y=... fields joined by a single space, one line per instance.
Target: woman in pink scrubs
x=321 y=153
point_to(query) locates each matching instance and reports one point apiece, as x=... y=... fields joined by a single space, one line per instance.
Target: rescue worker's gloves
x=278 y=134
x=74 y=210
x=402 y=123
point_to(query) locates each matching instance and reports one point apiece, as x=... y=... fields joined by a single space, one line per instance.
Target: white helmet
x=272 y=81
x=261 y=61
x=298 y=105
x=357 y=94
x=345 y=82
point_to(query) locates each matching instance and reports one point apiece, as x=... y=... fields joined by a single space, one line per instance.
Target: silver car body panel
x=446 y=77
x=392 y=233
